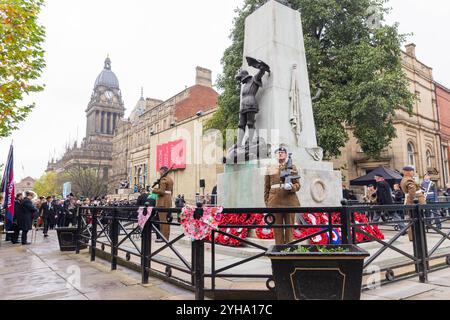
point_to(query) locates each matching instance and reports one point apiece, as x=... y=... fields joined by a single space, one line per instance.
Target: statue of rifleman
x=249 y=106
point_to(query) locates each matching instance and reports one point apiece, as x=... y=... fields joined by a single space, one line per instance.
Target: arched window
x=429 y=158
x=411 y=154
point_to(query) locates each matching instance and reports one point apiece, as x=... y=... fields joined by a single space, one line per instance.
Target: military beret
x=164 y=168
x=408 y=168
x=281 y=149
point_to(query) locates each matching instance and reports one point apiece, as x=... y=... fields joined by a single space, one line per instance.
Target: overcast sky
x=157 y=45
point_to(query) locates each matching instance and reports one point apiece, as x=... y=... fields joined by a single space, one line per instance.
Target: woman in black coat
x=25 y=218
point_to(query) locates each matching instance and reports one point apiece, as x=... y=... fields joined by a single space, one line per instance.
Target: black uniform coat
x=47 y=210
x=384 y=193
x=25 y=217
x=142 y=200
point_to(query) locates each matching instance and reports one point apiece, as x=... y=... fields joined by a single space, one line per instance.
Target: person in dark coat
x=69 y=209
x=214 y=196
x=399 y=198
x=17 y=212
x=384 y=197
x=431 y=194
x=25 y=218
x=143 y=198
x=60 y=213
x=179 y=202
x=47 y=212
x=345 y=192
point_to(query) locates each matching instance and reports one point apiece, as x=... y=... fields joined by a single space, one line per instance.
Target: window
x=411 y=154
x=429 y=159
x=445 y=163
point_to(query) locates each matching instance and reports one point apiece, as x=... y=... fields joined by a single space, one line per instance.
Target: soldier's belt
x=168 y=192
x=276 y=186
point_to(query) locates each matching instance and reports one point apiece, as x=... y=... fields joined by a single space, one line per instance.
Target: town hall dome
x=107 y=78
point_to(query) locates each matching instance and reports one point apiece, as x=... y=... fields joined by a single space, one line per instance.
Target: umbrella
x=392 y=177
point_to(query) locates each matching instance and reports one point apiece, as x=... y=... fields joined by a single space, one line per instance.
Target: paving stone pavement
x=42 y=272
x=437 y=288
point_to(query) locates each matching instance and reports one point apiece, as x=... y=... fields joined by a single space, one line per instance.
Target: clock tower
x=106 y=106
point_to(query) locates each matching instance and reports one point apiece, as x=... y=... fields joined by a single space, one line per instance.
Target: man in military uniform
x=411 y=190
x=164 y=193
x=278 y=194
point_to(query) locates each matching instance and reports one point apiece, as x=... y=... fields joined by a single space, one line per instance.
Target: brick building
x=154 y=122
x=443 y=105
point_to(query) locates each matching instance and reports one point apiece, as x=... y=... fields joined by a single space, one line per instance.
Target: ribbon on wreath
x=200 y=229
x=142 y=218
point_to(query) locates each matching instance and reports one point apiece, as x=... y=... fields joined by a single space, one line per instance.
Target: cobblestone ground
x=40 y=271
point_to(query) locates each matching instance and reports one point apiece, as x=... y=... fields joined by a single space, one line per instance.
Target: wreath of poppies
x=239 y=232
x=323 y=238
x=265 y=233
x=213 y=219
x=200 y=229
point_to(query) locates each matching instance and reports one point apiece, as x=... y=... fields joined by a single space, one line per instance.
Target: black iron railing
x=117 y=228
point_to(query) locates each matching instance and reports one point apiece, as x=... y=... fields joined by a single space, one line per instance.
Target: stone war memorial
x=274 y=44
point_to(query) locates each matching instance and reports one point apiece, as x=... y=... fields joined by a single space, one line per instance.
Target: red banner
x=178 y=154
x=171 y=155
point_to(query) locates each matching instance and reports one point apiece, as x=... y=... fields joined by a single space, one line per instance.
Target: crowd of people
x=43 y=213
x=381 y=193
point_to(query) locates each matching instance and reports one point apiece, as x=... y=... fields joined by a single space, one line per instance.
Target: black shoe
x=26 y=244
x=45 y=235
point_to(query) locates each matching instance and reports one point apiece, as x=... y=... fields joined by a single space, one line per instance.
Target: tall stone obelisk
x=273 y=34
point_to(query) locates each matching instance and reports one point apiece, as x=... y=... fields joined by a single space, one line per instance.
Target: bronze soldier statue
x=411 y=190
x=280 y=191
x=249 y=106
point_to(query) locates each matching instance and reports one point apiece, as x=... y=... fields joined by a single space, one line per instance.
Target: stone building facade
x=26 y=184
x=418 y=141
x=154 y=122
x=104 y=111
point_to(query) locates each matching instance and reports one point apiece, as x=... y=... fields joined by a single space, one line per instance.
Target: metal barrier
x=116 y=228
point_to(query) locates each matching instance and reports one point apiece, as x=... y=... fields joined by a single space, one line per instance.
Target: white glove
x=288 y=187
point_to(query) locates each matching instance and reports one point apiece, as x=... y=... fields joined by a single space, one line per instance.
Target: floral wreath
x=200 y=229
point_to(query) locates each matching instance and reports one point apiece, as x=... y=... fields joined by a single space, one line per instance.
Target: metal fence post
x=419 y=244
x=145 y=251
x=114 y=240
x=198 y=260
x=199 y=269
x=346 y=226
x=78 y=236
x=94 y=234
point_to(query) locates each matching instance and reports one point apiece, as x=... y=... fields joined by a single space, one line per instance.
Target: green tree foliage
x=358 y=69
x=48 y=185
x=21 y=59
